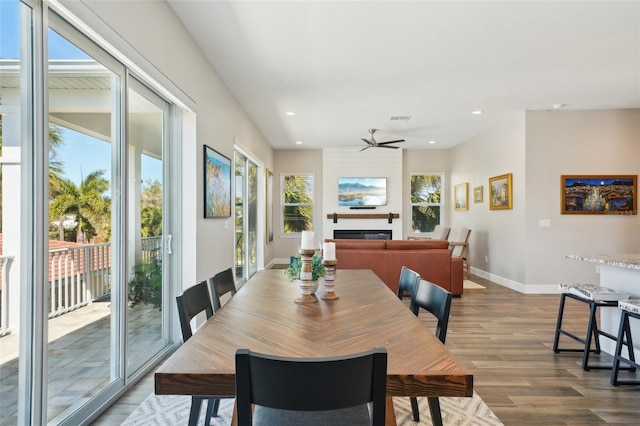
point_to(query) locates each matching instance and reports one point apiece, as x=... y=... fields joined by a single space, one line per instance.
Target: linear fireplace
x=362 y=234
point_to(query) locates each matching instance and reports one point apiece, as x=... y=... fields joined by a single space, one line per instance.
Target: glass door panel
x=240 y=250
x=14 y=139
x=252 y=222
x=80 y=328
x=146 y=288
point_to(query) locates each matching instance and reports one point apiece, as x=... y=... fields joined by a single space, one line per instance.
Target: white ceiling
x=345 y=67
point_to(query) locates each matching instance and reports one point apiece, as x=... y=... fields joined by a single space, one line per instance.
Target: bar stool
x=596 y=297
x=630 y=308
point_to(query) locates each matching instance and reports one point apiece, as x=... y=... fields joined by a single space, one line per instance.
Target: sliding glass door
x=246 y=217
x=84 y=231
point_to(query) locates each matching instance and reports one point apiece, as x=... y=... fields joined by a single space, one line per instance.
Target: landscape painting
x=362 y=192
x=501 y=192
x=599 y=194
x=217 y=184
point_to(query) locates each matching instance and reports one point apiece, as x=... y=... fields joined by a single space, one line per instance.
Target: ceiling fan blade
x=388 y=142
x=366 y=147
x=389 y=146
x=366 y=141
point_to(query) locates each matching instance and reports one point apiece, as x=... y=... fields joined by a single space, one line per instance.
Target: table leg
x=390 y=413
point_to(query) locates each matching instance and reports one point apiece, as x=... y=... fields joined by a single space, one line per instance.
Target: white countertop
x=629 y=261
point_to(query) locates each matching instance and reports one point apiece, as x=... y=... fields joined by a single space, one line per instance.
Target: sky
x=80 y=154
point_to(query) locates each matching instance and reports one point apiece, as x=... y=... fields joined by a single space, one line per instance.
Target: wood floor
x=505 y=339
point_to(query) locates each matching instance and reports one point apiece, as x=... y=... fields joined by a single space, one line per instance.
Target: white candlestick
x=329 y=251
x=307 y=240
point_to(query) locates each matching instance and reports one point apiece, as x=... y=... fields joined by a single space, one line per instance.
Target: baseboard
x=514 y=285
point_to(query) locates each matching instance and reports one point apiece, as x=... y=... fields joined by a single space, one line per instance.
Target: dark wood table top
x=263 y=317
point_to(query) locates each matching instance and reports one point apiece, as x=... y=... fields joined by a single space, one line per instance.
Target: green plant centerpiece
x=317 y=268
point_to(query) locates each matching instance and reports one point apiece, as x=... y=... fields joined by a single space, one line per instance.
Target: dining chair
x=221 y=284
x=407 y=283
x=193 y=301
x=459 y=246
x=437 y=301
x=311 y=391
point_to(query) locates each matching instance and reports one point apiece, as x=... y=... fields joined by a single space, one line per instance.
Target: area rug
x=468 y=284
x=169 y=410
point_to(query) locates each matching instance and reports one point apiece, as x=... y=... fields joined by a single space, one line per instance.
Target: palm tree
x=89 y=205
x=425 y=189
x=298 y=209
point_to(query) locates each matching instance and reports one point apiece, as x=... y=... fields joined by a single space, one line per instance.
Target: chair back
x=193 y=301
x=459 y=239
x=407 y=283
x=440 y=232
x=435 y=299
x=311 y=384
x=221 y=284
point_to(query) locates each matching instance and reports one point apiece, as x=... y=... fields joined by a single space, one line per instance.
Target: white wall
x=576 y=142
x=496 y=235
x=153 y=38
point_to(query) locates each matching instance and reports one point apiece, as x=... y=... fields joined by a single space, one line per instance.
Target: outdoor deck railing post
x=4 y=295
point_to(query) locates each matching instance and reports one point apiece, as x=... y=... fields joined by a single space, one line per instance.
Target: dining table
x=263 y=317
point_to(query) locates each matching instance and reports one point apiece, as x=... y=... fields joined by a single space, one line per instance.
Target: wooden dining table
x=263 y=317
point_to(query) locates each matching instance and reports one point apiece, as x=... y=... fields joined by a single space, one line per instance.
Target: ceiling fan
x=372 y=143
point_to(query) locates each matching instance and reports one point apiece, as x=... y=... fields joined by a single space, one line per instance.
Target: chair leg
x=556 y=339
x=414 y=408
x=434 y=407
x=194 y=413
x=618 y=351
x=592 y=332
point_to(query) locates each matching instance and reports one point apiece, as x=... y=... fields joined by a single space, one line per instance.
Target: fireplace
x=362 y=234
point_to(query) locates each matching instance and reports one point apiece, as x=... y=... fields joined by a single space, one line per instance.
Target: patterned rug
x=168 y=410
x=468 y=284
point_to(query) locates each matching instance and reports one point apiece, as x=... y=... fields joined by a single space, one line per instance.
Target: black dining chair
x=311 y=391
x=193 y=301
x=407 y=283
x=437 y=301
x=221 y=284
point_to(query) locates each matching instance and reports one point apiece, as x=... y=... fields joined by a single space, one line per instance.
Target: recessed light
x=477 y=112
x=298 y=142
x=432 y=142
x=558 y=106
x=290 y=113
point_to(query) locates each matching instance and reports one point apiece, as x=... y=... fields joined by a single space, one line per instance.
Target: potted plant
x=317 y=267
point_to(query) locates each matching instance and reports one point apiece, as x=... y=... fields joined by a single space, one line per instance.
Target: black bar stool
x=596 y=297
x=630 y=308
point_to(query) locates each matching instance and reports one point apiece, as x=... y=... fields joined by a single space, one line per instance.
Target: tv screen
x=362 y=191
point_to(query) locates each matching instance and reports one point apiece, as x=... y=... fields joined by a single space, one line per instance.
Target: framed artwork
x=269 y=214
x=599 y=194
x=501 y=192
x=477 y=194
x=460 y=196
x=217 y=184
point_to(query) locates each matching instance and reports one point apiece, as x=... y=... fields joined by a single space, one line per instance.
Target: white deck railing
x=5 y=263
x=77 y=276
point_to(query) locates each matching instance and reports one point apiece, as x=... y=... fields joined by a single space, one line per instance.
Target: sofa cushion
x=417 y=244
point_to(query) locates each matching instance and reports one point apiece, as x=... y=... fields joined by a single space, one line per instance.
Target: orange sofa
x=429 y=258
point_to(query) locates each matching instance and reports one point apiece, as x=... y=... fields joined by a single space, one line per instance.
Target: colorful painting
x=599 y=194
x=477 y=194
x=501 y=192
x=269 y=215
x=217 y=184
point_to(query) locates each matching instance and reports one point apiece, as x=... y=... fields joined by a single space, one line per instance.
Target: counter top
x=629 y=261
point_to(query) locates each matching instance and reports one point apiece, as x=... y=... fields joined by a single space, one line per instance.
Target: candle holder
x=305 y=280
x=329 y=278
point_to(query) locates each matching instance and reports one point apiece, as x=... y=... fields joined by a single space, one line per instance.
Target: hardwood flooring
x=505 y=339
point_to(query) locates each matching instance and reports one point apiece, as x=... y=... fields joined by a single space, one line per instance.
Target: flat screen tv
x=362 y=192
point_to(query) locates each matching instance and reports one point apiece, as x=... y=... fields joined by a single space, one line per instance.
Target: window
x=426 y=201
x=297 y=203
